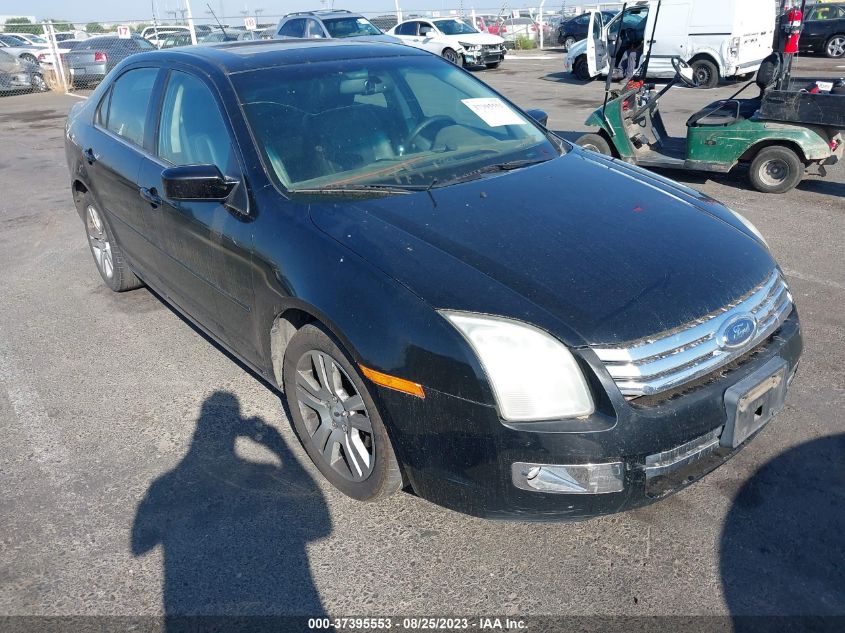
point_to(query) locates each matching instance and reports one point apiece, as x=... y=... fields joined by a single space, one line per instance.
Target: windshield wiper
x=345 y=189
x=495 y=167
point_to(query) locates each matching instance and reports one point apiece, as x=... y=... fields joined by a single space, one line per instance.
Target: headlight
x=470 y=47
x=747 y=224
x=533 y=375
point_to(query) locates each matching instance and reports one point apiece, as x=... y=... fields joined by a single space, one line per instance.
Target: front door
x=206 y=245
x=596 y=45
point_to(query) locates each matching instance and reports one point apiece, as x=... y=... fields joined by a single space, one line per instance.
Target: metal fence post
x=191 y=22
x=58 y=68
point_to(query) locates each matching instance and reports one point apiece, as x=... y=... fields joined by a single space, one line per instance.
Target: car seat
x=729 y=111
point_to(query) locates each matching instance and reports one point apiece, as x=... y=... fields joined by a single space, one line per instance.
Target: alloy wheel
x=99 y=240
x=335 y=416
x=451 y=56
x=836 y=46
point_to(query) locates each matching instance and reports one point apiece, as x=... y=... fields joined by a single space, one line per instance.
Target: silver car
x=90 y=61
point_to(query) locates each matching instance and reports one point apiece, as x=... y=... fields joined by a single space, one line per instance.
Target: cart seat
x=725 y=112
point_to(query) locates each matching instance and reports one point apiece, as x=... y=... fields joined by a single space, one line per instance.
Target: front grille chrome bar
x=663 y=362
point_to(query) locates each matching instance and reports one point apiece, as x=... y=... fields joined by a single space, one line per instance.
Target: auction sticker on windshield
x=494 y=112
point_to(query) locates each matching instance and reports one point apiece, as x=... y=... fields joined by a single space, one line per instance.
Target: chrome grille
x=669 y=360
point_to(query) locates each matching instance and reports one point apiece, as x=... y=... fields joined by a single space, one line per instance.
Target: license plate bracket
x=753 y=402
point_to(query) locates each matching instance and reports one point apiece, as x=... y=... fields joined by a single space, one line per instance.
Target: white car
x=29 y=39
x=452 y=39
x=45 y=58
x=14 y=47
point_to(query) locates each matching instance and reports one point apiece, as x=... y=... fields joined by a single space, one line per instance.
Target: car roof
x=325 y=13
x=241 y=56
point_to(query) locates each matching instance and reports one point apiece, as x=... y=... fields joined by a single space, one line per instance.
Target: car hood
x=593 y=250
x=476 y=38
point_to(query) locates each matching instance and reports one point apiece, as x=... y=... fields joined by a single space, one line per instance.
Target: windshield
x=634 y=19
x=395 y=122
x=454 y=27
x=350 y=27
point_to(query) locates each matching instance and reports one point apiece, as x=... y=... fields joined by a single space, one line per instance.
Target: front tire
x=835 y=47
x=581 y=69
x=451 y=56
x=595 y=143
x=336 y=418
x=706 y=72
x=38 y=83
x=776 y=170
x=108 y=256
x=569 y=42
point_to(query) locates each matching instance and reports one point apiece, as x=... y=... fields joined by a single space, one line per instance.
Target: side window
x=408 y=28
x=127 y=111
x=425 y=28
x=293 y=28
x=191 y=130
x=313 y=29
x=103 y=109
x=597 y=26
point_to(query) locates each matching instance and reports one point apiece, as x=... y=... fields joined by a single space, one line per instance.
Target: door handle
x=150 y=195
x=90 y=156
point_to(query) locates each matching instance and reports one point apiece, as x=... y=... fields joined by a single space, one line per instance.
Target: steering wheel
x=684 y=72
x=441 y=119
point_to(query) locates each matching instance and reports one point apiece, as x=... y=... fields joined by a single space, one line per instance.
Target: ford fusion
x=351 y=221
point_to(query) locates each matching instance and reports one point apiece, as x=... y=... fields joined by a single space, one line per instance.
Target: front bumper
x=484 y=56
x=460 y=455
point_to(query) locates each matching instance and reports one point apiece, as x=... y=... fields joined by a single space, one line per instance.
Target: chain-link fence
x=71 y=56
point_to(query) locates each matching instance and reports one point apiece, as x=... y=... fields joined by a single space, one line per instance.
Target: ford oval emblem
x=737 y=331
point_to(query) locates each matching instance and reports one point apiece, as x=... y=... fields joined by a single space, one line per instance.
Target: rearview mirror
x=538 y=115
x=196 y=182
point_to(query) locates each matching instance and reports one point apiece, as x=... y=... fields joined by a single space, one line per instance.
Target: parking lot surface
x=114 y=412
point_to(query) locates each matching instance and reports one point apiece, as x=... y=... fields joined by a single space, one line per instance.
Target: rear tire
x=38 y=83
x=835 y=46
x=29 y=58
x=108 y=256
x=336 y=419
x=595 y=143
x=581 y=69
x=706 y=72
x=776 y=169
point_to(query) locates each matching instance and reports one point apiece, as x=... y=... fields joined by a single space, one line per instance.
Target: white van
x=719 y=38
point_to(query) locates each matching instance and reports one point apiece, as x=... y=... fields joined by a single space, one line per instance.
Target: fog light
x=574 y=479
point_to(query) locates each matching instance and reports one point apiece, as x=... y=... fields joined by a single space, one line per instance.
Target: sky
x=135 y=10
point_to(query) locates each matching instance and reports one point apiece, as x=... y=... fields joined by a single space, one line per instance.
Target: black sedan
x=824 y=30
x=575 y=29
x=349 y=220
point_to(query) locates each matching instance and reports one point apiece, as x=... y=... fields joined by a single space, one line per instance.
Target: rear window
x=127 y=109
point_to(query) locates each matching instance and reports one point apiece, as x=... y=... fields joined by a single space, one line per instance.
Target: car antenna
x=611 y=61
x=211 y=11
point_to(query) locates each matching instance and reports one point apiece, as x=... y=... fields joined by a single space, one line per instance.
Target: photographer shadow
x=233 y=531
x=782 y=547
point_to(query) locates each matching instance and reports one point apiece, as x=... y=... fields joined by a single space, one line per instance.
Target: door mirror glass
x=196 y=182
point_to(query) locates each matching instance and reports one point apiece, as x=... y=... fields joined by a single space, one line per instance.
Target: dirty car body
x=591 y=350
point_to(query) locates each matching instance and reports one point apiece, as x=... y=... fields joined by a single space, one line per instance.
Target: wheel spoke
x=354 y=403
x=336 y=437
x=321 y=435
x=360 y=422
x=313 y=401
x=324 y=366
x=318 y=393
x=357 y=454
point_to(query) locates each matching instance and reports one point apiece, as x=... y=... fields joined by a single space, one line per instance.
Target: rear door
x=206 y=246
x=113 y=151
x=597 y=56
x=822 y=22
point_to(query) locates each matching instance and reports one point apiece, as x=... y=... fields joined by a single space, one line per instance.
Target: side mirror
x=196 y=182
x=538 y=115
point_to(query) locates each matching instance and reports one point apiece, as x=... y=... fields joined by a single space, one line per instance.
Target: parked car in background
x=511 y=29
x=453 y=40
x=159 y=33
x=17 y=75
x=174 y=40
x=824 y=30
x=14 y=47
x=330 y=24
x=351 y=222
x=71 y=35
x=90 y=61
x=576 y=29
x=45 y=57
x=483 y=21
x=29 y=39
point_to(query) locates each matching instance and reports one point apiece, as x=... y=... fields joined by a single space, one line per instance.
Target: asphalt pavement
x=115 y=414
